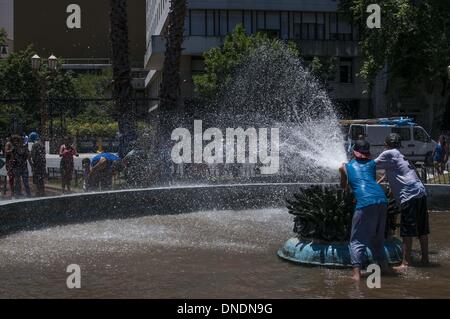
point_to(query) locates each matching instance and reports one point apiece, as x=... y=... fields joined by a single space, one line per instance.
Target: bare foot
x=401 y=267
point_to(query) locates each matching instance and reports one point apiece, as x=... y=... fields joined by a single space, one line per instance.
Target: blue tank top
x=361 y=177
x=439 y=153
x=110 y=157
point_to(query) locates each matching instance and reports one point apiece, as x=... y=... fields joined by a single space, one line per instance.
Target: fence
x=58 y=111
x=432 y=175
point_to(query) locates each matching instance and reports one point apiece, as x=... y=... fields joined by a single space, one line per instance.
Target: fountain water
x=274 y=88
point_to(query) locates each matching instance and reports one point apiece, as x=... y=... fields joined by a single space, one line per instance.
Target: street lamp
x=35 y=62
x=52 y=66
x=52 y=63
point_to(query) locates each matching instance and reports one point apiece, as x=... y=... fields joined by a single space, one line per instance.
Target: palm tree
x=170 y=87
x=122 y=90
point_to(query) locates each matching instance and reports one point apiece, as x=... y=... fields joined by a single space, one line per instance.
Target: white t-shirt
x=402 y=178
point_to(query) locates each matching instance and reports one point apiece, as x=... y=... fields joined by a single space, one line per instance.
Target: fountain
x=323 y=218
x=203 y=241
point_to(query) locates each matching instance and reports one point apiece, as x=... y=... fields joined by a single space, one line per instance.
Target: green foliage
x=324 y=68
x=95 y=121
x=96 y=129
x=220 y=62
x=19 y=82
x=2 y=36
x=92 y=85
x=414 y=39
x=323 y=214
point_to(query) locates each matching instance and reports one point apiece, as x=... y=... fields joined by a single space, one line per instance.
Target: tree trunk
x=437 y=96
x=170 y=87
x=122 y=90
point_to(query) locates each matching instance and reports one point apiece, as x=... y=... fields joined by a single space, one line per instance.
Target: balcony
x=193 y=45
x=196 y=45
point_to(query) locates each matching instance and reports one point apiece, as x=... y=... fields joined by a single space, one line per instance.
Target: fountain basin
x=312 y=253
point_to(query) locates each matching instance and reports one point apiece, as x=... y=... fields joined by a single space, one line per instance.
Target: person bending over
x=369 y=218
x=411 y=197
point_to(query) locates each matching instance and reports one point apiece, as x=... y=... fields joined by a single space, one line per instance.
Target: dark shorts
x=414 y=218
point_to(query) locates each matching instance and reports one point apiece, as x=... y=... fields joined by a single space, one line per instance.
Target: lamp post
x=36 y=66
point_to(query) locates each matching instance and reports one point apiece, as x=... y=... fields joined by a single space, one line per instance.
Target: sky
x=6 y=17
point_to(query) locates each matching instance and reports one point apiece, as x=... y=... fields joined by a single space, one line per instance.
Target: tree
x=414 y=44
x=24 y=89
x=122 y=89
x=170 y=87
x=2 y=36
x=221 y=62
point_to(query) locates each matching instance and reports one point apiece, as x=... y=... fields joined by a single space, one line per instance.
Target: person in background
x=440 y=155
x=67 y=151
x=21 y=158
x=411 y=197
x=369 y=219
x=86 y=163
x=103 y=168
x=8 y=165
x=38 y=164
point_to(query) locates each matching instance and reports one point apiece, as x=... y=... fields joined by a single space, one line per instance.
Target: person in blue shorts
x=369 y=218
x=102 y=169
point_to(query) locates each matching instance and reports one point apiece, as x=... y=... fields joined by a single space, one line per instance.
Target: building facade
x=7 y=23
x=75 y=30
x=315 y=25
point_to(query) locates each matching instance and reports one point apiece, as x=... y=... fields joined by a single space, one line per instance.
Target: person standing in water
x=67 y=151
x=39 y=164
x=8 y=164
x=20 y=160
x=410 y=195
x=369 y=218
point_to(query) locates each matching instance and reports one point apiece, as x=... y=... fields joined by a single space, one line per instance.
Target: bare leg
x=424 y=248
x=407 y=247
x=356 y=274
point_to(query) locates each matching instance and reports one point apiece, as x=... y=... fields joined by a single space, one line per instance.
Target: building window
x=308 y=26
x=210 y=23
x=234 y=18
x=297 y=24
x=405 y=133
x=320 y=25
x=333 y=22
x=223 y=22
x=344 y=28
x=285 y=33
x=198 y=25
x=345 y=70
x=197 y=65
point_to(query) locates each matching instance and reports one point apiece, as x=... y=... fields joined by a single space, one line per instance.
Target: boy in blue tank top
x=369 y=218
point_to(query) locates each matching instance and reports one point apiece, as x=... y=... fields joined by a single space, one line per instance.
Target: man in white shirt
x=410 y=195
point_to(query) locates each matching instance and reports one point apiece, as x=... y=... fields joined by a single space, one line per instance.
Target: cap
x=361 y=149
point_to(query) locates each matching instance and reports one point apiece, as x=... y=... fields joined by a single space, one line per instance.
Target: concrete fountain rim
x=438 y=187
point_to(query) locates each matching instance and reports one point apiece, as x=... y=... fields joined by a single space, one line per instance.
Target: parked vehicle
x=417 y=144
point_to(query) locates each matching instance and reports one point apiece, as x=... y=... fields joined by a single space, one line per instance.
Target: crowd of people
x=24 y=152
x=17 y=159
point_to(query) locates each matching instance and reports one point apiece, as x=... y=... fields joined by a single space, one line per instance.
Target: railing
x=434 y=175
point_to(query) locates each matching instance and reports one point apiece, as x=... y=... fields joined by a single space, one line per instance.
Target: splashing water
x=273 y=88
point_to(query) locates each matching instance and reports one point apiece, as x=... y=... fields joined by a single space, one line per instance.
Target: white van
x=417 y=144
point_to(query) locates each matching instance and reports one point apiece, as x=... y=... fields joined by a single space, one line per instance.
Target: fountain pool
x=208 y=254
